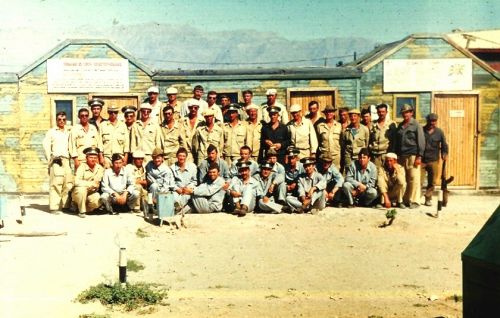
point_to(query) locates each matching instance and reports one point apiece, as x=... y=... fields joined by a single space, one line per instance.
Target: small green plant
x=141 y=233
x=134 y=266
x=391 y=214
x=131 y=296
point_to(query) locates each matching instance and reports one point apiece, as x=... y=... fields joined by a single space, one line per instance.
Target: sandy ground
x=338 y=263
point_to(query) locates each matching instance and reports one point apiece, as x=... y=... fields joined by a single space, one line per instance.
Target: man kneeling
x=311 y=189
x=360 y=180
x=209 y=195
x=243 y=189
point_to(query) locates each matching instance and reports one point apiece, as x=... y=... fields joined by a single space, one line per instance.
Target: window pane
x=67 y=107
x=400 y=101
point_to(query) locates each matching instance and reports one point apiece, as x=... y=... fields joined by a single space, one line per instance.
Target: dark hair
x=82 y=110
x=168 y=108
x=211 y=148
x=365 y=111
x=343 y=110
x=213 y=165
x=224 y=96
x=198 y=87
x=182 y=150
x=364 y=151
x=211 y=93
x=115 y=157
x=312 y=103
x=247 y=92
x=247 y=148
x=61 y=114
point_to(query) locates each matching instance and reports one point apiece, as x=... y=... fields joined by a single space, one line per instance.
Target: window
x=64 y=104
x=234 y=95
x=400 y=100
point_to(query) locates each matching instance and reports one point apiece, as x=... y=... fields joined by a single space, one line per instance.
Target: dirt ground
x=338 y=263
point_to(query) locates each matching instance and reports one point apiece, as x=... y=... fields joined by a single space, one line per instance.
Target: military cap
x=326 y=157
x=243 y=164
x=209 y=112
x=406 y=108
x=271 y=91
x=91 y=151
x=129 y=109
x=153 y=89
x=95 y=102
x=271 y=152
x=138 y=154
x=382 y=105
x=172 y=90
x=116 y=156
x=308 y=160
x=354 y=111
x=145 y=106
x=292 y=151
x=273 y=109
x=193 y=103
x=113 y=108
x=432 y=116
x=266 y=165
x=391 y=155
x=252 y=106
x=233 y=107
x=295 y=108
x=329 y=108
x=157 y=152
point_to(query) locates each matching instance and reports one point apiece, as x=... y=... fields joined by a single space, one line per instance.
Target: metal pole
x=123 y=266
x=440 y=201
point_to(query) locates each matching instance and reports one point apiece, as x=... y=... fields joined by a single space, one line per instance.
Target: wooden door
x=305 y=95
x=118 y=101
x=458 y=119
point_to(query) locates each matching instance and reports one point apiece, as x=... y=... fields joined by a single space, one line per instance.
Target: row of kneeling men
x=298 y=186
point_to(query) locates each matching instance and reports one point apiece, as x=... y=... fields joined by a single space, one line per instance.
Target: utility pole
x=355 y=55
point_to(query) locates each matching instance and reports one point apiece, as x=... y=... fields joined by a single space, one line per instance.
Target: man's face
x=153 y=97
x=169 y=115
x=247 y=98
x=113 y=115
x=158 y=160
x=96 y=111
x=329 y=115
x=343 y=115
x=407 y=115
x=390 y=163
x=138 y=162
x=326 y=165
x=367 y=118
x=233 y=115
x=193 y=110
x=84 y=117
x=211 y=99
x=145 y=114
x=265 y=172
x=209 y=120
x=92 y=160
x=197 y=93
x=117 y=165
x=61 y=121
x=274 y=117
x=212 y=156
x=172 y=98
x=129 y=118
x=313 y=109
x=244 y=173
x=225 y=101
x=354 y=118
x=271 y=99
x=272 y=159
x=309 y=168
x=382 y=112
x=252 y=114
x=181 y=158
x=297 y=116
x=245 y=154
x=292 y=160
x=213 y=174
x=363 y=160
x=432 y=123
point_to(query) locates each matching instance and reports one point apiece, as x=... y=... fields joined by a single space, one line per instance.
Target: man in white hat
x=96 y=105
x=173 y=102
x=145 y=133
x=115 y=137
x=271 y=101
x=254 y=130
x=302 y=134
x=197 y=99
x=211 y=104
x=208 y=134
x=247 y=104
x=154 y=103
x=391 y=182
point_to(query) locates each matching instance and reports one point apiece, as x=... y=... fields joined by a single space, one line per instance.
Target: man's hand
x=329 y=196
x=444 y=157
x=225 y=186
x=271 y=188
x=188 y=191
x=76 y=163
x=179 y=191
x=361 y=188
x=418 y=161
x=265 y=199
x=121 y=199
x=268 y=142
x=235 y=194
x=277 y=146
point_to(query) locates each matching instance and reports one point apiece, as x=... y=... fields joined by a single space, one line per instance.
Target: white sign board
x=87 y=75
x=427 y=75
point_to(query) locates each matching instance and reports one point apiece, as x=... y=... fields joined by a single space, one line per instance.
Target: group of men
x=238 y=157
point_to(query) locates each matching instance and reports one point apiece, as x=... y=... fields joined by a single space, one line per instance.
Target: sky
x=380 y=20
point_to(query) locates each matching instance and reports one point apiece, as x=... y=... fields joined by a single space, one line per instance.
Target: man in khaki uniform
x=354 y=138
x=381 y=136
x=170 y=137
x=173 y=102
x=56 y=148
x=129 y=118
x=82 y=136
x=329 y=133
x=87 y=181
x=138 y=172
x=211 y=99
x=189 y=124
x=96 y=105
x=145 y=133
x=235 y=135
x=208 y=134
x=391 y=182
x=254 y=130
x=154 y=104
x=115 y=137
x=302 y=134
x=314 y=114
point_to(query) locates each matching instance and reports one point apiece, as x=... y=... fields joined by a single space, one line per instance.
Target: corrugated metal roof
x=8 y=78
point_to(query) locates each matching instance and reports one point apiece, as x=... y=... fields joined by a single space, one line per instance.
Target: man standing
x=138 y=172
x=184 y=174
x=82 y=136
x=145 y=133
x=212 y=158
x=115 y=137
x=344 y=117
x=366 y=117
x=243 y=189
x=391 y=182
x=118 y=187
x=314 y=115
x=329 y=133
x=311 y=189
x=248 y=104
x=275 y=135
x=171 y=136
x=173 y=102
x=360 y=180
x=410 y=147
x=88 y=178
x=381 y=136
x=196 y=99
x=209 y=195
x=302 y=134
x=354 y=138
x=435 y=144
x=235 y=135
x=267 y=192
x=189 y=125
x=129 y=117
x=254 y=130
x=56 y=149
x=208 y=134
x=271 y=101
x=225 y=102
x=211 y=99
x=96 y=105
x=154 y=104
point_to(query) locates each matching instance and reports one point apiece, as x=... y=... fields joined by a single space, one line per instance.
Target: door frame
x=477 y=145
x=291 y=90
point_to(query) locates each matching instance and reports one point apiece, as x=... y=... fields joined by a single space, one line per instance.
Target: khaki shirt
x=81 y=139
x=329 y=138
x=386 y=180
x=136 y=173
x=203 y=137
x=253 y=137
x=170 y=139
x=381 y=137
x=115 y=138
x=303 y=136
x=56 y=142
x=144 y=136
x=353 y=141
x=86 y=177
x=234 y=138
x=190 y=131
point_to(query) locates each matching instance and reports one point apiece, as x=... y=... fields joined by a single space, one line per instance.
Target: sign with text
x=87 y=75
x=427 y=75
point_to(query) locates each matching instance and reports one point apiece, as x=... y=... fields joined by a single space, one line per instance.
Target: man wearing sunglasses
x=115 y=137
x=171 y=136
x=82 y=136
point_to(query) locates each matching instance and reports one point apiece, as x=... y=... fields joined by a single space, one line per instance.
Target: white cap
x=153 y=89
x=295 y=108
x=172 y=90
x=391 y=155
x=138 y=154
x=193 y=103
x=271 y=91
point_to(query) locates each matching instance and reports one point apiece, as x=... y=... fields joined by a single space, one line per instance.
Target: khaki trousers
x=61 y=183
x=84 y=201
x=412 y=192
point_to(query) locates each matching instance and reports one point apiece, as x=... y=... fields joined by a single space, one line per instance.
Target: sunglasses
x=61 y=119
x=84 y=115
x=112 y=112
x=169 y=114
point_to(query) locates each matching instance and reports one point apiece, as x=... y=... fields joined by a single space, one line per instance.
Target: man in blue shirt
x=360 y=180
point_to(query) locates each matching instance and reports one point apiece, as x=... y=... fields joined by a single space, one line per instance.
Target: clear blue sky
x=379 y=20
